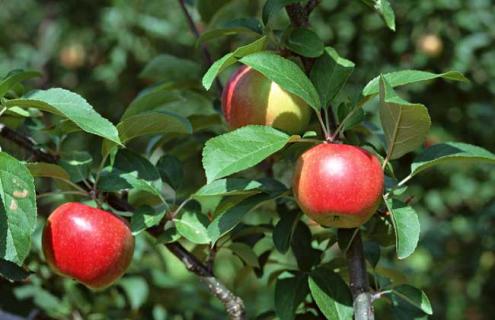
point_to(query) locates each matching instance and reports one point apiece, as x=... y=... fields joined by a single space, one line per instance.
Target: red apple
x=90 y=245
x=251 y=98
x=338 y=185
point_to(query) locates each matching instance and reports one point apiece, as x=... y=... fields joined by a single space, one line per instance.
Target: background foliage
x=99 y=49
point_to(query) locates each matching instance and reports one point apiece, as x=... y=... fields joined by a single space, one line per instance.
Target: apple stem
x=360 y=288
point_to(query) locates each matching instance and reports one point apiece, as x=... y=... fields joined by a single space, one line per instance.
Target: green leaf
x=224 y=32
x=152 y=122
x=227 y=220
x=116 y=180
x=251 y=23
x=208 y=8
x=231 y=58
x=306 y=255
x=145 y=217
x=192 y=226
x=329 y=74
x=166 y=67
x=47 y=170
x=344 y=112
x=127 y=161
x=17 y=209
x=152 y=98
x=400 y=78
x=305 y=42
x=77 y=164
x=331 y=294
x=286 y=74
x=450 y=152
x=405 y=124
x=12 y=272
x=171 y=170
x=414 y=297
x=240 y=149
x=406 y=226
x=228 y=187
x=273 y=6
x=16 y=77
x=289 y=294
x=282 y=234
x=385 y=9
x=71 y=106
x=136 y=289
x=246 y=253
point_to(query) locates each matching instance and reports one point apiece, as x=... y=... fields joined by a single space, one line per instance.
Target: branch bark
x=204 y=48
x=363 y=299
x=234 y=305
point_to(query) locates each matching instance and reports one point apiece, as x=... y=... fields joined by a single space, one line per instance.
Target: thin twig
x=204 y=48
x=27 y=144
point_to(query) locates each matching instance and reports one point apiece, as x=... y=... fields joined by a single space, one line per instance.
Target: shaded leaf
x=289 y=294
x=171 y=68
x=171 y=170
x=15 y=77
x=305 y=42
x=414 y=297
x=145 y=217
x=246 y=253
x=331 y=294
x=273 y=6
x=12 y=272
x=282 y=234
x=329 y=74
x=227 y=220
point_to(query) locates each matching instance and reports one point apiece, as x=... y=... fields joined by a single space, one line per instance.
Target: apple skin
x=93 y=246
x=338 y=185
x=251 y=98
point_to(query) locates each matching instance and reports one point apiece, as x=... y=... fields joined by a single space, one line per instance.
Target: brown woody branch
x=233 y=304
x=360 y=288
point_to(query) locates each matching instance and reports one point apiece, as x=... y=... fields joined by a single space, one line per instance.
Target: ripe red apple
x=251 y=98
x=90 y=245
x=338 y=185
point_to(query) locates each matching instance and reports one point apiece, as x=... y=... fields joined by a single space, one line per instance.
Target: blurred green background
x=98 y=49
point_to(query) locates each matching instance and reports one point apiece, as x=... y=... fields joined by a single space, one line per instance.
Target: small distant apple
x=93 y=246
x=431 y=45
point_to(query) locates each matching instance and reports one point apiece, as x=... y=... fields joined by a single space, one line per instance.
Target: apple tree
x=281 y=167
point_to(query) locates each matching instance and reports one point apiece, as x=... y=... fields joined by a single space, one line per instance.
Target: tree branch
x=204 y=48
x=234 y=305
x=26 y=143
x=363 y=308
